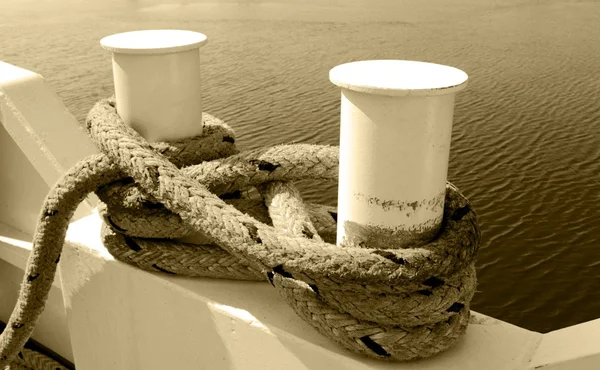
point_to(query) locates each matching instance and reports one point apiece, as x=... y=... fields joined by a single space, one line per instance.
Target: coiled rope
x=396 y=304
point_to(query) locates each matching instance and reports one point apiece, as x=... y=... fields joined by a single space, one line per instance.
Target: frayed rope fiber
x=393 y=304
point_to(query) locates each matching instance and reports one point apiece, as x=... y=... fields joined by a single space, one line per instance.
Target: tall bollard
x=157 y=81
x=396 y=126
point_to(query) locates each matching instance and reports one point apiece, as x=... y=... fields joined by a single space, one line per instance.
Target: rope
x=28 y=359
x=32 y=358
x=395 y=304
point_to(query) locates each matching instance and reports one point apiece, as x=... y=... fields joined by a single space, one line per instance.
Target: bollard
x=396 y=126
x=157 y=81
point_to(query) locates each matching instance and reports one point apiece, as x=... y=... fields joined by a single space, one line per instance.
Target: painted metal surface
x=396 y=126
x=157 y=81
x=575 y=347
x=36 y=146
x=121 y=317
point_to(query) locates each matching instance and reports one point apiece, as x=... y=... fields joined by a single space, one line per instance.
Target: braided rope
x=397 y=304
x=28 y=359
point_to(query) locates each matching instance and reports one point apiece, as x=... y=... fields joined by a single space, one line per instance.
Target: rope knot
x=200 y=207
x=371 y=300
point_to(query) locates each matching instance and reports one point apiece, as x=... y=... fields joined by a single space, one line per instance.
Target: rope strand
x=397 y=304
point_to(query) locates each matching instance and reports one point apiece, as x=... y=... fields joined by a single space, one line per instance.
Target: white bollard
x=157 y=81
x=396 y=126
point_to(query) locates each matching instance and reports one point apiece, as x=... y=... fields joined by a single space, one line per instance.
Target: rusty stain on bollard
x=402 y=236
x=388 y=205
x=373 y=236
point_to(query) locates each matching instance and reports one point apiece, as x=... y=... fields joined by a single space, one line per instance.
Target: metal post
x=396 y=126
x=157 y=81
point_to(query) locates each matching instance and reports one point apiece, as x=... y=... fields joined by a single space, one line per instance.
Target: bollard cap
x=399 y=78
x=153 y=41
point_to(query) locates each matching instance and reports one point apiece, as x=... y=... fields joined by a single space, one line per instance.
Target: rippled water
x=526 y=141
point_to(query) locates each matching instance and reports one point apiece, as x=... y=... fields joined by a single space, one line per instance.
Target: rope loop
x=199 y=207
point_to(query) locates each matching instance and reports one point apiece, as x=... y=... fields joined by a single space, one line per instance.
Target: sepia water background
x=526 y=137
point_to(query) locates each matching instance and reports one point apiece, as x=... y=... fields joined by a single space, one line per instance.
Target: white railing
x=104 y=314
